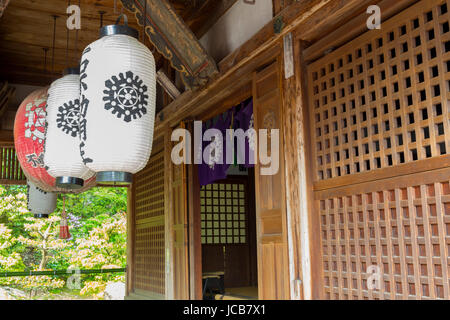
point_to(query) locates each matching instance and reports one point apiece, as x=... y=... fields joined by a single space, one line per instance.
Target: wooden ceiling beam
x=27 y=27
x=89 y=8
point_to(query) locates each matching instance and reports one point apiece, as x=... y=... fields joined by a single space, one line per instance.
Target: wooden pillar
x=168 y=216
x=176 y=219
x=303 y=223
x=194 y=218
x=130 y=240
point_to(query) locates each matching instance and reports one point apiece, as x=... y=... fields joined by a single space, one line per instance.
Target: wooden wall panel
x=404 y=231
x=379 y=109
x=382 y=99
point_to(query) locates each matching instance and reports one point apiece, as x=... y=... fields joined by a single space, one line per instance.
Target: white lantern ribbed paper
x=118 y=93
x=40 y=203
x=62 y=150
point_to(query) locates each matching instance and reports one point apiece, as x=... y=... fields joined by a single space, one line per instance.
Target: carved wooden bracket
x=174 y=40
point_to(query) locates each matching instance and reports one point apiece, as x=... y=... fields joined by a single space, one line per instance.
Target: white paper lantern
x=62 y=151
x=118 y=93
x=41 y=203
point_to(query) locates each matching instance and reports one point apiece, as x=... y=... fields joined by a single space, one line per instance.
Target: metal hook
x=125 y=19
x=54 y=39
x=101 y=17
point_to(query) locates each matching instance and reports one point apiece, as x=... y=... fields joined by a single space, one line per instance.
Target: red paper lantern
x=29 y=140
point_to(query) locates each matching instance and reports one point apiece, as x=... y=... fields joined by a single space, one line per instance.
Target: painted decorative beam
x=173 y=39
x=3 y=5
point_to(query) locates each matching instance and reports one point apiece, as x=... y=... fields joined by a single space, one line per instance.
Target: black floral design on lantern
x=82 y=128
x=126 y=96
x=68 y=116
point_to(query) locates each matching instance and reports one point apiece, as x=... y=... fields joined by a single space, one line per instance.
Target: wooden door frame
x=194 y=228
x=193 y=187
x=131 y=243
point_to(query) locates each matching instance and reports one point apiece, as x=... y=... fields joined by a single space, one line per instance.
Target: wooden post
x=194 y=218
x=294 y=153
x=130 y=240
x=168 y=216
x=303 y=232
x=177 y=260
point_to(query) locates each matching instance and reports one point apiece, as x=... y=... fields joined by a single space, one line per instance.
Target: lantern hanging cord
x=76 y=32
x=67 y=40
x=53 y=45
x=101 y=17
x=145 y=22
x=63 y=214
x=45 y=58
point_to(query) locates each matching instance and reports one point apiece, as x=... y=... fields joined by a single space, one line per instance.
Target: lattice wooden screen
x=149 y=242
x=223 y=213
x=10 y=170
x=383 y=99
x=405 y=232
x=379 y=109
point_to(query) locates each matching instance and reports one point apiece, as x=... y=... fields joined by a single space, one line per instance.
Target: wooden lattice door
x=379 y=111
x=225 y=235
x=273 y=281
x=149 y=243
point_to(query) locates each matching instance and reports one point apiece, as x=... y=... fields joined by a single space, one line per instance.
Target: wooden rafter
x=26 y=28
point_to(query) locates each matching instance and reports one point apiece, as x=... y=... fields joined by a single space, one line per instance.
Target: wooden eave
x=308 y=20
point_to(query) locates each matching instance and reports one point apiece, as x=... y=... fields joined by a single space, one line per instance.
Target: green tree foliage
x=97 y=222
